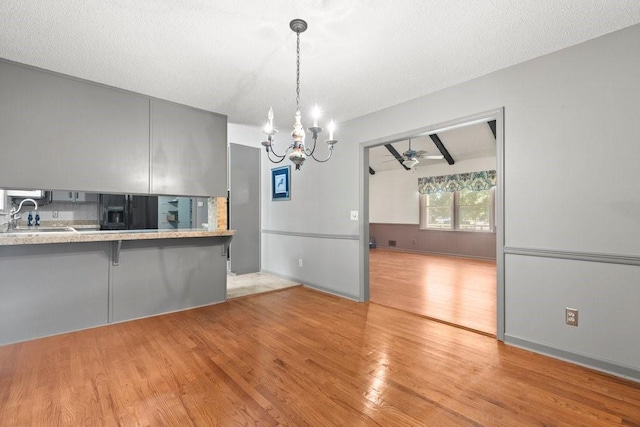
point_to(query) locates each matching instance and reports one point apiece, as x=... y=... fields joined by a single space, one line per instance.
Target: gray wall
x=409 y=237
x=315 y=224
x=571 y=138
x=298 y=228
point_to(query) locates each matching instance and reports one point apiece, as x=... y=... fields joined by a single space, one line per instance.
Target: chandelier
x=298 y=150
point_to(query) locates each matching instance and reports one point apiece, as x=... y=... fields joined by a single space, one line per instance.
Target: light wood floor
x=299 y=357
x=460 y=291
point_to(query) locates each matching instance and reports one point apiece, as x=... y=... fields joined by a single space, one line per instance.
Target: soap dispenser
x=37 y=219
x=30 y=219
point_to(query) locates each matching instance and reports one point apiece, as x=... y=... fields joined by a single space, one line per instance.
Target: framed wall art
x=281 y=183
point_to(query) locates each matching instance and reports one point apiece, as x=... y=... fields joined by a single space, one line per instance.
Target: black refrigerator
x=128 y=212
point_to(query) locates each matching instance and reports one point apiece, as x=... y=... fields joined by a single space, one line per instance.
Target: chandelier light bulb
x=332 y=127
x=315 y=113
x=270 y=117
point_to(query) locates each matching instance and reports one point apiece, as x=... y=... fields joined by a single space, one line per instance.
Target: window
x=475 y=210
x=438 y=210
x=465 y=210
x=462 y=201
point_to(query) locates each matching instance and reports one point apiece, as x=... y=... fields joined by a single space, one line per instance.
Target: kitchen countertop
x=92 y=235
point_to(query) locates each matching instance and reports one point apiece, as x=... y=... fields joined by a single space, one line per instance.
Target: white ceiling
x=463 y=143
x=238 y=57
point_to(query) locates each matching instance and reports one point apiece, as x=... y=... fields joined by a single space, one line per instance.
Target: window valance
x=474 y=181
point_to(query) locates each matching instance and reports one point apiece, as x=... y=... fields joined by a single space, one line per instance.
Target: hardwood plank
x=299 y=357
x=458 y=291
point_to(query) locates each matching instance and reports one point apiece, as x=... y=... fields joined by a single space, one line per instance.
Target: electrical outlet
x=300 y=262
x=571 y=316
x=354 y=215
x=55 y=214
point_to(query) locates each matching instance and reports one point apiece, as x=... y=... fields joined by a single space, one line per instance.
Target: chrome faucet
x=13 y=213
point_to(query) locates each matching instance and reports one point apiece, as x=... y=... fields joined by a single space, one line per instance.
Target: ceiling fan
x=411 y=157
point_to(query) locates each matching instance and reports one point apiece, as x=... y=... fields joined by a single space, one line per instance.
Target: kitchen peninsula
x=98 y=139
x=58 y=282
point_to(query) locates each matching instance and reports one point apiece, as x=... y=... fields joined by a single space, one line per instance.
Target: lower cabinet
x=55 y=288
x=156 y=277
x=51 y=289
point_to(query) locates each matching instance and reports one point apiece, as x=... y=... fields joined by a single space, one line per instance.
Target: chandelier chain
x=298 y=71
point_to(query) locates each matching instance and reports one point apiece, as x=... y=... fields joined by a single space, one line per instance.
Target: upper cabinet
x=59 y=132
x=188 y=151
x=73 y=196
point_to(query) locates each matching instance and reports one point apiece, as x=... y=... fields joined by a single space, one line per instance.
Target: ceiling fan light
x=410 y=162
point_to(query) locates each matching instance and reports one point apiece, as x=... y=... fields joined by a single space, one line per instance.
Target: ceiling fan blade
x=423 y=154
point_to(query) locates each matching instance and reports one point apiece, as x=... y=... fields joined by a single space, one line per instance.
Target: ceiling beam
x=371 y=171
x=443 y=150
x=492 y=125
x=397 y=155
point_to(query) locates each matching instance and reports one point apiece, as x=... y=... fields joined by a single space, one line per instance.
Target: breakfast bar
x=60 y=281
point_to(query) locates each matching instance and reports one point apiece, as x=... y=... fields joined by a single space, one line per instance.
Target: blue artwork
x=281 y=183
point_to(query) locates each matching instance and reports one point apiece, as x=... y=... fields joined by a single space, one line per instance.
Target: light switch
x=354 y=215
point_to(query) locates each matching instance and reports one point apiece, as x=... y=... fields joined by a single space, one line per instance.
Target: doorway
x=370 y=266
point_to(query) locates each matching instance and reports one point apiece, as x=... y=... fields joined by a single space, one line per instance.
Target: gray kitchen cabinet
x=73 y=196
x=188 y=151
x=59 y=132
x=48 y=289
x=154 y=278
x=53 y=288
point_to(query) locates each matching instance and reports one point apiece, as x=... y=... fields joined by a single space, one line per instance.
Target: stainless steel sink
x=38 y=230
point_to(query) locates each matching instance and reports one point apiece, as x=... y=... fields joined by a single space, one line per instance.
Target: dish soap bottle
x=30 y=219
x=37 y=219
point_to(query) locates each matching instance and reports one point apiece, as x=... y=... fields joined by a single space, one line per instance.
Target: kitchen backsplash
x=67 y=211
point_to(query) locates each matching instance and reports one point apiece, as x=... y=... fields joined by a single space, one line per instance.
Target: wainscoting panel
x=458 y=243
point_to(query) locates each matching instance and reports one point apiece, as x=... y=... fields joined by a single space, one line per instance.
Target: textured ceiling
x=238 y=57
x=463 y=143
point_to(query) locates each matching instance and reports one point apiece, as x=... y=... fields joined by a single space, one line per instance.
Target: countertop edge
x=107 y=236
